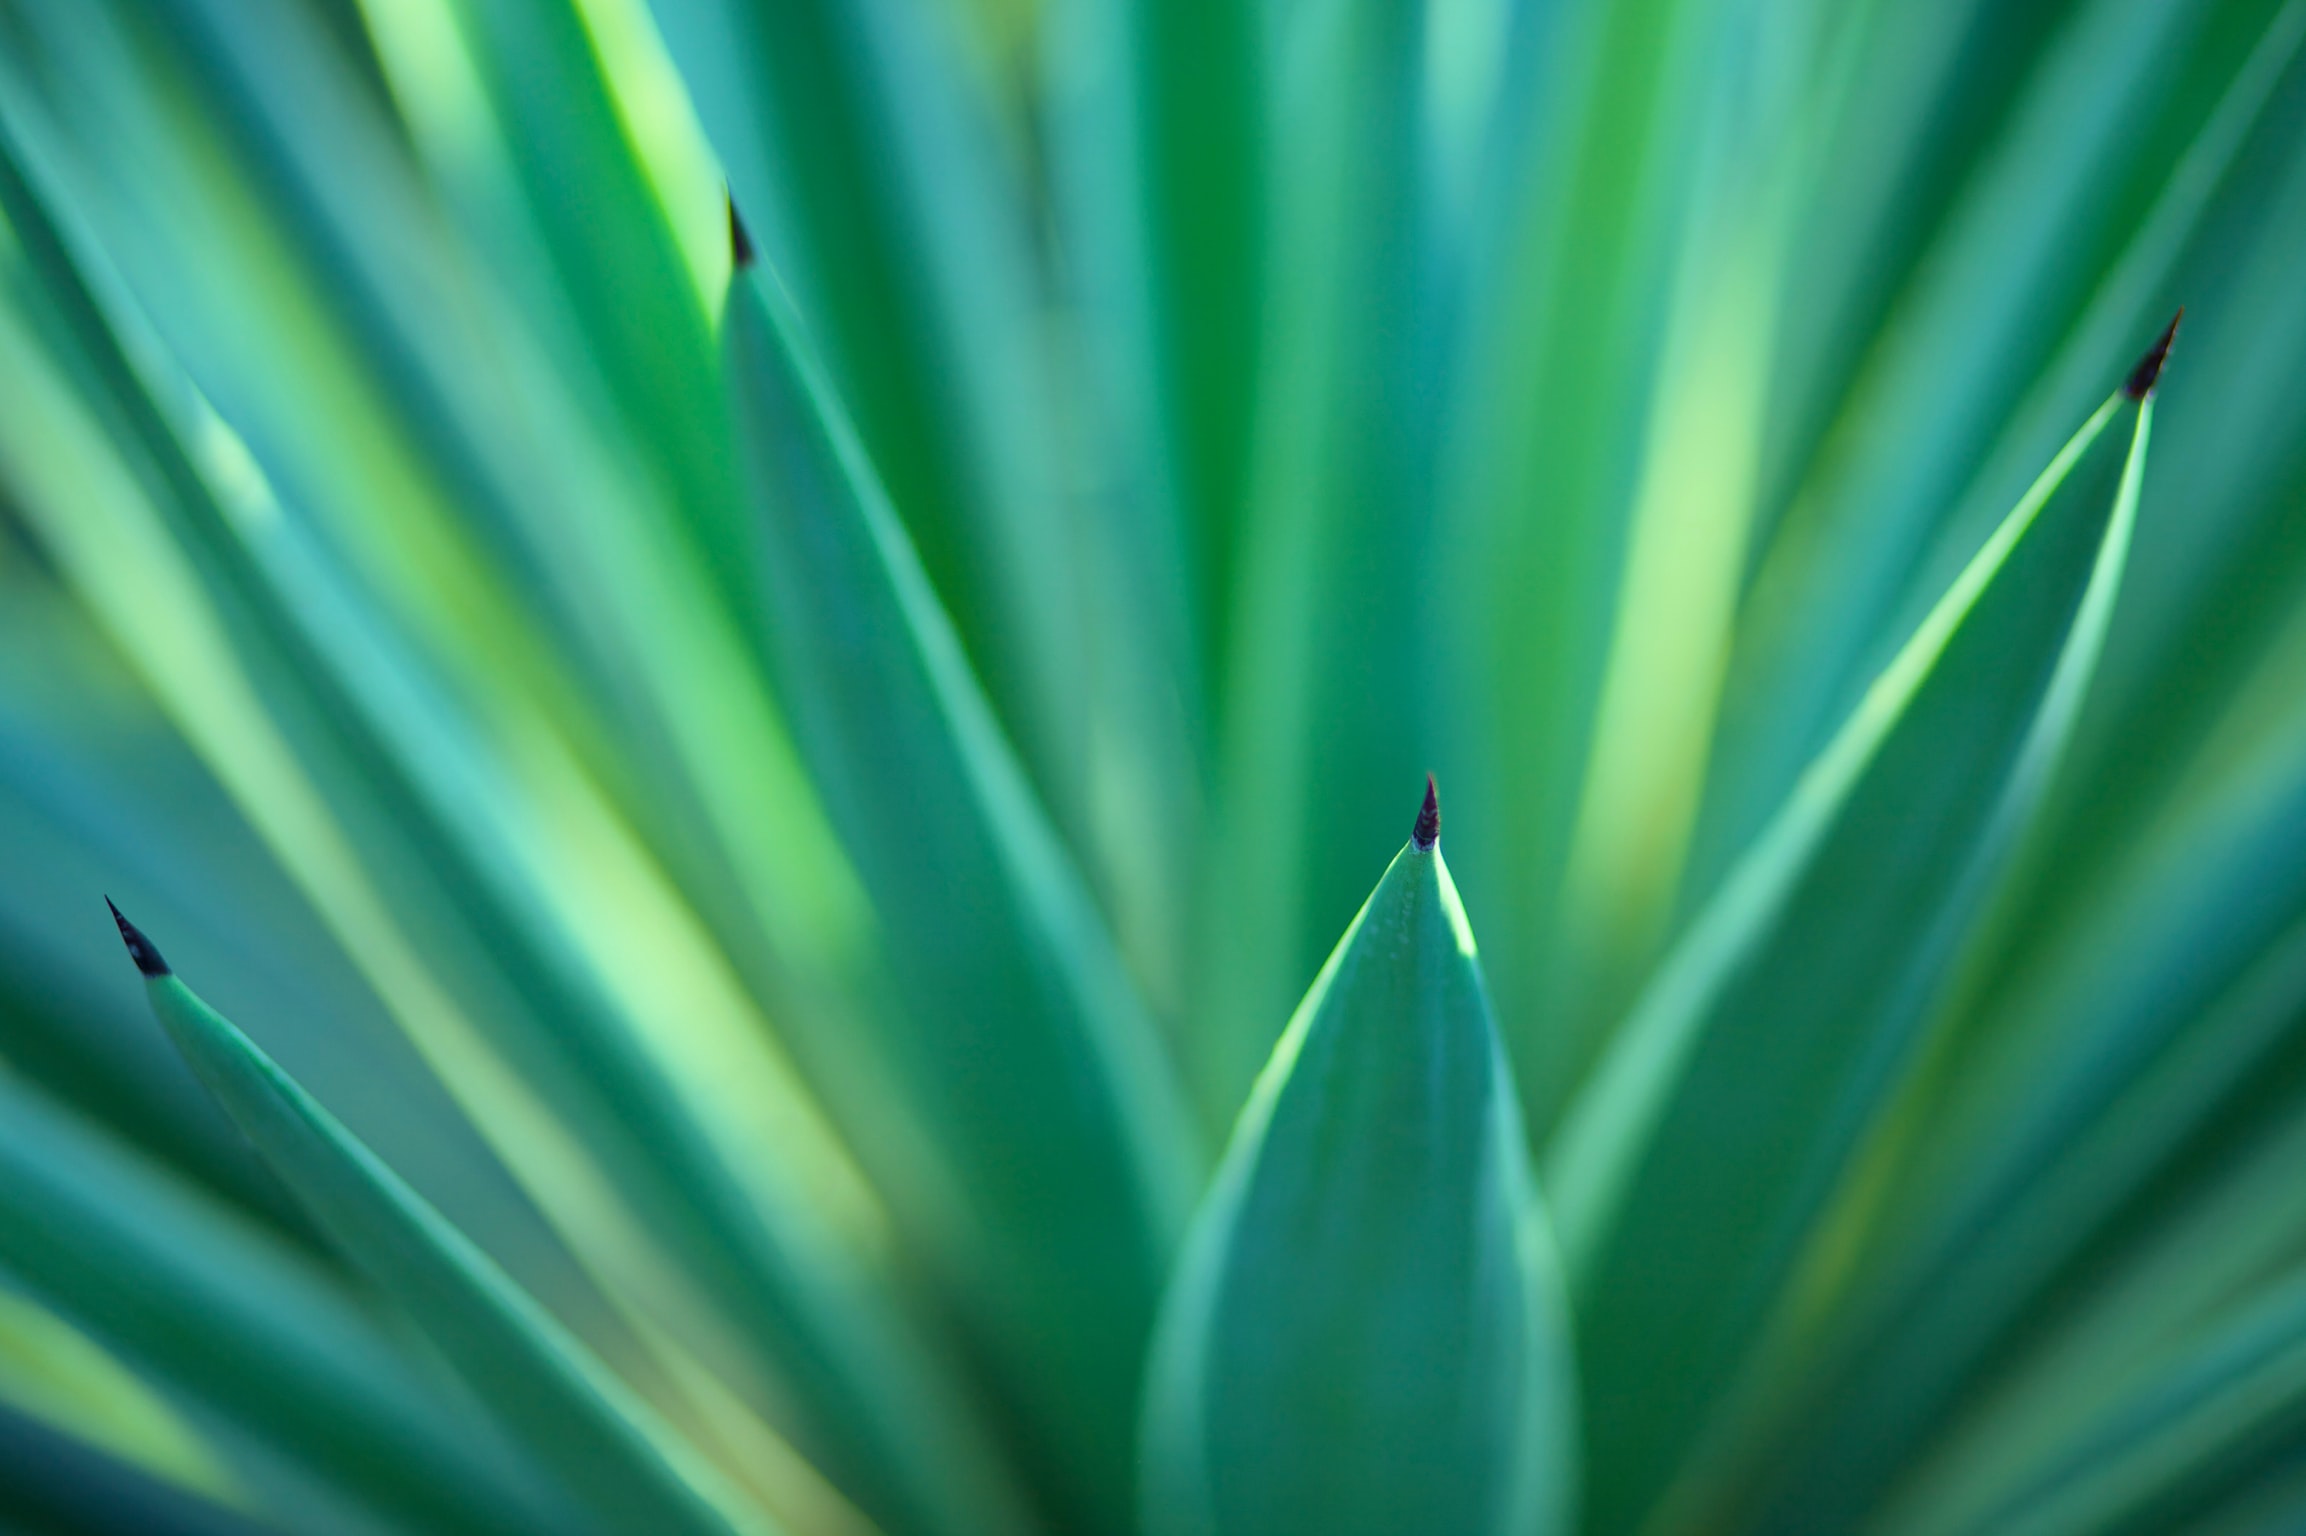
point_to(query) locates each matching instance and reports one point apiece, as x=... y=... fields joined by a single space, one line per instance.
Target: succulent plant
x=750 y=648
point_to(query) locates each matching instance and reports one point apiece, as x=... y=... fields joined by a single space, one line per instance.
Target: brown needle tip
x=2148 y=373
x=1427 y=832
x=740 y=242
x=140 y=948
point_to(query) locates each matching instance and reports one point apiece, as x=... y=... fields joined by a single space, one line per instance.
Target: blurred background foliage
x=824 y=981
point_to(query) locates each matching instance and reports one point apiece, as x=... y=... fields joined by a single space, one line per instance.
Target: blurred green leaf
x=1688 y=1177
x=1335 y=589
x=2147 y=1030
x=57 y=1374
x=883 y=190
x=549 y=1390
x=57 y=1485
x=402 y=797
x=200 y=1298
x=1366 y=1332
x=1025 y=1049
x=774 y=807
x=2173 y=1379
x=2118 y=94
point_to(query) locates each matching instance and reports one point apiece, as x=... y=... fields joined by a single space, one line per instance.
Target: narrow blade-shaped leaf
x=1026 y=1050
x=2143 y=1032
x=1690 y=1171
x=59 y=1486
x=1366 y=1332
x=374 y=776
x=223 y=1311
x=546 y=1386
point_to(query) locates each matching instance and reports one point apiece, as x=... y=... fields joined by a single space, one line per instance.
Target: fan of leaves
x=763 y=791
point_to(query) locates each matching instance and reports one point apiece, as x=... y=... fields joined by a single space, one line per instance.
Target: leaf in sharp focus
x=1693 y=1165
x=545 y=1386
x=1024 y=1048
x=1367 y=1332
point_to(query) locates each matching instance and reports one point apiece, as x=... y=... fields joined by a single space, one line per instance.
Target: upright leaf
x=1327 y=697
x=1024 y=1049
x=1366 y=1332
x=1691 y=1170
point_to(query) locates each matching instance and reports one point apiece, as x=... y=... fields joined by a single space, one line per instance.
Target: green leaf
x=61 y=1486
x=1325 y=704
x=2134 y=1036
x=1366 y=1332
x=381 y=773
x=872 y=166
x=2052 y=215
x=1561 y=358
x=544 y=1385
x=1023 y=1047
x=231 y=1316
x=2161 y=1386
x=1690 y=1172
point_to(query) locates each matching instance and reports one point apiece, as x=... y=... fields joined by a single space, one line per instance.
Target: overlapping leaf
x=1689 y=1173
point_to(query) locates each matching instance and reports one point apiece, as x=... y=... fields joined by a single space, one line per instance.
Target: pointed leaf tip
x=740 y=240
x=1427 y=832
x=140 y=948
x=1366 y=1331
x=2148 y=373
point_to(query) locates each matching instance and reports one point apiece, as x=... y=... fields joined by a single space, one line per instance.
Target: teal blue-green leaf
x=872 y=166
x=2045 y=216
x=59 y=1486
x=2163 y=1386
x=2137 y=1034
x=1540 y=465
x=1691 y=1170
x=429 y=804
x=1366 y=1332
x=1328 y=702
x=1024 y=1049
x=199 y=1297
x=628 y=1468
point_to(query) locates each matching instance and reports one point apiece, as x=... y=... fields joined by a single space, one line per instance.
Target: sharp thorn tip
x=2148 y=373
x=740 y=240
x=1427 y=833
x=140 y=948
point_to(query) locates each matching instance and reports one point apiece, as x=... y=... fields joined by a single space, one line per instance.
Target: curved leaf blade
x=1366 y=1333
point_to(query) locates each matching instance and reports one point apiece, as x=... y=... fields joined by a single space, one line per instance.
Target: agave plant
x=753 y=646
